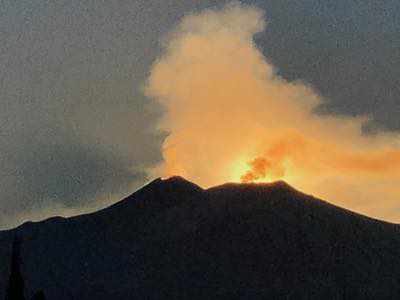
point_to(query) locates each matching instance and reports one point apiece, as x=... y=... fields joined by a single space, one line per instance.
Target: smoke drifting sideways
x=232 y=118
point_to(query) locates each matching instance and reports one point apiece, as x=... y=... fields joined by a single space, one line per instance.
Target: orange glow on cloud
x=231 y=118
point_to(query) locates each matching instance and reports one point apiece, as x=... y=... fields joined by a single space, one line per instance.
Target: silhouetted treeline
x=15 y=289
x=39 y=295
x=16 y=285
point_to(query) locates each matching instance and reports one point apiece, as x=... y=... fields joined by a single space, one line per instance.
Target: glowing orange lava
x=241 y=170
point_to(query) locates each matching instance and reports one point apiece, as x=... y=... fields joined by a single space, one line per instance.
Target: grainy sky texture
x=77 y=132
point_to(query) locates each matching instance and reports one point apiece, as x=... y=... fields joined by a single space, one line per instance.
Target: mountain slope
x=172 y=239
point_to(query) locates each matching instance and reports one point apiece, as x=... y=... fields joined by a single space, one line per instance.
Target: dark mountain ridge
x=172 y=239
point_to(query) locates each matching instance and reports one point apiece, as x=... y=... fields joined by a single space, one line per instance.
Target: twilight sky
x=76 y=129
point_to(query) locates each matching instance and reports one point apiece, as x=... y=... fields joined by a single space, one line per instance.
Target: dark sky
x=76 y=132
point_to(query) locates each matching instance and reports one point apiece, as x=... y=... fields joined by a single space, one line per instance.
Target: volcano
x=174 y=240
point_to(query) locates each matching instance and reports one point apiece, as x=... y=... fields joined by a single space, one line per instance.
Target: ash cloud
x=226 y=106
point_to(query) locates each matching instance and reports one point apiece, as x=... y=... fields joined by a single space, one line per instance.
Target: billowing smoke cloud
x=232 y=118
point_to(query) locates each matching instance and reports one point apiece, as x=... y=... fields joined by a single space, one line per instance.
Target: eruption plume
x=232 y=118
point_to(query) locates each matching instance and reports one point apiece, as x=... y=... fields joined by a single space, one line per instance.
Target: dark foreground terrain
x=174 y=240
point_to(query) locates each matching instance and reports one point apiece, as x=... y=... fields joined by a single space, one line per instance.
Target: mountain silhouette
x=174 y=240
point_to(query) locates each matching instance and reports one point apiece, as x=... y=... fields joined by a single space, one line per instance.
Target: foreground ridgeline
x=175 y=240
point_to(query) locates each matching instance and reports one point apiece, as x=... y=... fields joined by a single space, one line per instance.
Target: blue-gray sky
x=76 y=131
